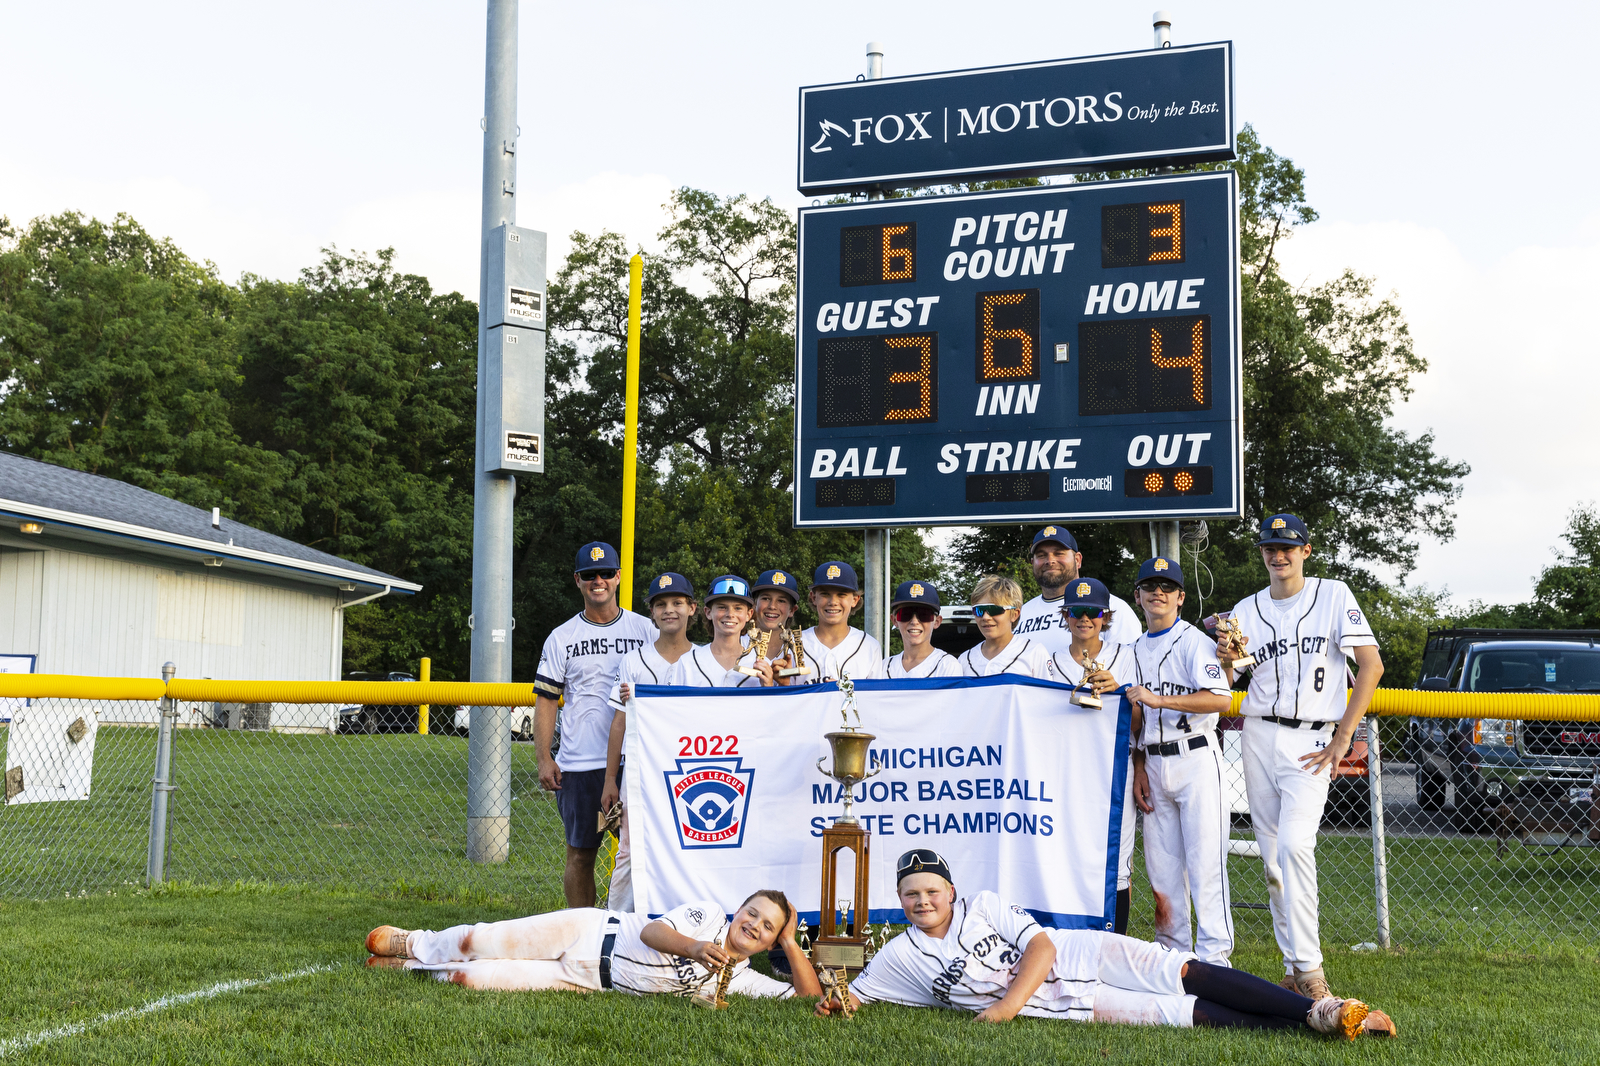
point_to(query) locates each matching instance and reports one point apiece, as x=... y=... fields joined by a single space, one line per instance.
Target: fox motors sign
x=1160 y=107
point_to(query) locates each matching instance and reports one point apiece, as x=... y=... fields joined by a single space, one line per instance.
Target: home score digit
x=1043 y=353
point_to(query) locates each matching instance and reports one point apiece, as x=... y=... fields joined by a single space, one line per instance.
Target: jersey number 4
x=1183 y=723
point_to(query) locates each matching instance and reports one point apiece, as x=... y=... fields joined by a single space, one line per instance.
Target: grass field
x=70 y=962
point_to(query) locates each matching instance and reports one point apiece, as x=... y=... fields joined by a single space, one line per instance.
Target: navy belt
x=1178 y=747
x=607 y=946
x=1295 y=723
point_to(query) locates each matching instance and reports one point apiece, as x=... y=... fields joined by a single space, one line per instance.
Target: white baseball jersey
x=858 y=656
x=1115 y=658
x=1041 y=621
x=939 y=663
x=973 y=965
x=1021 y=656
x=699 y=669
x=1176 y=662
x=1300 y=645
x=641 y=666
x=644 y=971
x=580 y=661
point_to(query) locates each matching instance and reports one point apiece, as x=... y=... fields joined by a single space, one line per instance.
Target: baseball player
x=580 y=661
x=777 y=598
x=1297 y=724
x=671 y=602
x=916 y=616
x=836 y=647
x=716 y=665
x=1178 y=784
x=1056 y=563
x=984 y=955
x=588 y=950
x=995 y=603
x=1086 y=606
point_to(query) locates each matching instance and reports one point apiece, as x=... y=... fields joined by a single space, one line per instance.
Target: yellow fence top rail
x=76 y=687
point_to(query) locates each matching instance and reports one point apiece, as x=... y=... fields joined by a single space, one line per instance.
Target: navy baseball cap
x=1283 y=529
x=836 y=574
x=921 y=861
x=1055 y=533
x=921 y=592
x=597 y=555
x=670 y=584
x=1160 y=567
x=1087 y=592
x=777 y=580
x=730 y=587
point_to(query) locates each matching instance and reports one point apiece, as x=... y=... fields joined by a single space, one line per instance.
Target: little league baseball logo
x=1213 y=671
x=710 y=798
x=1355 y=616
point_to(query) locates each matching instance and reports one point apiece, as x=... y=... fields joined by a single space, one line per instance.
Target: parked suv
x=1527 y=778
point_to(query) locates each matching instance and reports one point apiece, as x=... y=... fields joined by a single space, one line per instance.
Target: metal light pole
x=489 y=744
x=876 y=578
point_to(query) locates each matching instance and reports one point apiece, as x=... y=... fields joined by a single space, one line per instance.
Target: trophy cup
x=1235 y=637
x=1088 y=699
x=759 y=639
x=841 y=945
x=797 y=651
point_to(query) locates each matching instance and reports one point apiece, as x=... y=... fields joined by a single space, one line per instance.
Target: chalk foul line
x=15 y=1044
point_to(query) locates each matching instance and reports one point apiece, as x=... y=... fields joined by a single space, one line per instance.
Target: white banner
x=1020 y=790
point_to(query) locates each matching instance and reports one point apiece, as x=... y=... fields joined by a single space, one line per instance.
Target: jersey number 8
x=1316 y=678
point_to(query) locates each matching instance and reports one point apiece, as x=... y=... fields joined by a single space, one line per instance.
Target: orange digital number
x=922 y=376
x=1025 y=333
x=1194 y=361
x=1173 y=231
x=898 y=263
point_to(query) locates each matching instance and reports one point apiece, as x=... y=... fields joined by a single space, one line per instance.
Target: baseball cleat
x=1338 y=1017
x=386 y=962
x=388 y=941
x=1289 y=982
x=1378 y=1023
x=1312 y=984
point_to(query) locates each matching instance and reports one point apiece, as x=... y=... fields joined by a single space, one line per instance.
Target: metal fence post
x=156 y=858
x=1380 y=859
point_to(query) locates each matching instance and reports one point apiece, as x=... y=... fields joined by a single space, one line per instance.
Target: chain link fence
x=289 y=793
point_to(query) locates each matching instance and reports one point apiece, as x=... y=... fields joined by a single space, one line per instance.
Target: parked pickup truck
x=1534 y=780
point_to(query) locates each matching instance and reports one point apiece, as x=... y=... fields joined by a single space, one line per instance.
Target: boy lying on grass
x=591 y=950
x=983 y=955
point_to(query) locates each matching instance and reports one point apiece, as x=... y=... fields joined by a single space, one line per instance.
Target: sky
x=1444 y=145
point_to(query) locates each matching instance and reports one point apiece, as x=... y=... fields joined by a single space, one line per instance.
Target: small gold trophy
x=841 y=946
x=716 y=999
x=1087 y=699
x=792 y=640
x=1235 y=641
x=759 y=639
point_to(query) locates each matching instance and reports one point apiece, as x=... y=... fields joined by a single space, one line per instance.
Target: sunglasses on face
x=590 y=575
x=921 y=614
x=1159 y=586
x=992 y=610
x=1085 y=612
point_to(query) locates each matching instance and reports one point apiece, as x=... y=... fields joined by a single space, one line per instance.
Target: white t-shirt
x=939 y=663
x=1021 y=656
x=858 y=656
x=973 y=965
x=1300 y=645
x=1041 y=621
x=643 y=971
x=580 y=661
x=699 y=669
x=641 y=666
x=1177 y=662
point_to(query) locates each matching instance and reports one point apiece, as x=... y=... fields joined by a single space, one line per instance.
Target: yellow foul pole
x=630 y=431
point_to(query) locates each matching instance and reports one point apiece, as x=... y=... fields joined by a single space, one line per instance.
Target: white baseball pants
x=1186 y=852
x=620 y=898
x=558 y=950
x=1286 y=808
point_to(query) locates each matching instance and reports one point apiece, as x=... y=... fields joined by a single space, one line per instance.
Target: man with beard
x=1056 y=563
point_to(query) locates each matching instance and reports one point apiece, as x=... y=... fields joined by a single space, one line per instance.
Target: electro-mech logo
x=710 y=798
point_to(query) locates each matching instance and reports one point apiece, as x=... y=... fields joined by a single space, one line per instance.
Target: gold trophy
x=1088 y=699
x=796 y=646
x=717 y=999
x=759 y=639
x=841 y=946
x=1235 y=641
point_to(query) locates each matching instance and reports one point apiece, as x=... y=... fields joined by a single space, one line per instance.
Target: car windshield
x=1535 y=670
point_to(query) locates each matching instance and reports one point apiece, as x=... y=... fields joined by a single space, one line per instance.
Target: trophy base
x=1240 y=664
x=708 y=1002
x=749 y=671
x=850 y=954
x=1089 y=700
x=794 y=671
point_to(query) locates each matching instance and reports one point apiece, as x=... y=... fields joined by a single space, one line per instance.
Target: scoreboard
x=1049 y=353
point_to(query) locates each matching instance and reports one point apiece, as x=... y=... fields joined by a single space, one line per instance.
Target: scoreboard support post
x=877 y=589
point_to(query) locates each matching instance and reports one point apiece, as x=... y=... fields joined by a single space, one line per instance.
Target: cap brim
x=785 y=589
x=1282 y=540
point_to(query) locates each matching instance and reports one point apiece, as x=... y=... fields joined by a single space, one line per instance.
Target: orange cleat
x=388 y=941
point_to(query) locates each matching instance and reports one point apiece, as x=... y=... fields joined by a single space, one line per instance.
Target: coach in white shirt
x=579 y=662
x=1057 y=562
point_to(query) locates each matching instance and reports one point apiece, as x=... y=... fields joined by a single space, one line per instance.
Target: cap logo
x=834 y=571
x=1278 y=523
x=666 y=582
x=1083 y=588
x=916 y=590
x=1161 y=564
x=1049 y=531
x=779 y=579
x=597 y=554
